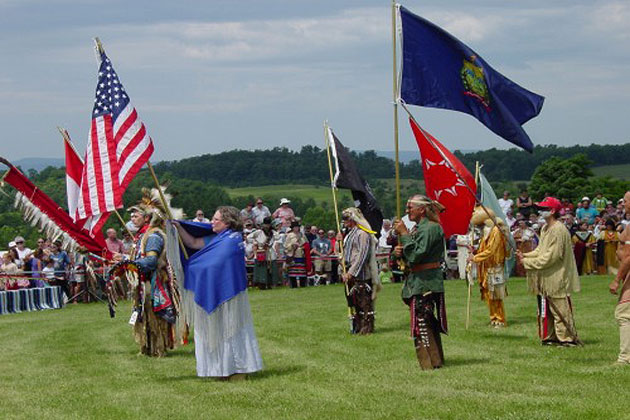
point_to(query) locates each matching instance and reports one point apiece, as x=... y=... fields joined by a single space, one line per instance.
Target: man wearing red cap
x=552 y=275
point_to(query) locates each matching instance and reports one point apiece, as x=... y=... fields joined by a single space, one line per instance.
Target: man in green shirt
x=422 y=250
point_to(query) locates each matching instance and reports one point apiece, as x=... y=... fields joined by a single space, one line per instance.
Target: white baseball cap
x=585 y=199
x=284 y=201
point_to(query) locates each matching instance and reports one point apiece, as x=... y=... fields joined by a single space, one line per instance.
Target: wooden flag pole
x=334 y=195
x=166 y=206
x=395 y=102
x=472 y=237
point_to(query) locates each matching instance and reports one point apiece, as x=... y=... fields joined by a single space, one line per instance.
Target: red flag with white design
x=446 y=180
x=74 y=170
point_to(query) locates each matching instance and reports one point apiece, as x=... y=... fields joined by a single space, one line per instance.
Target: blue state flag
x=439 y=71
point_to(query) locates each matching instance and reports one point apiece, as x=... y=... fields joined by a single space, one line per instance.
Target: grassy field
x=316 y=192
x=79 y=363
x=615 y=171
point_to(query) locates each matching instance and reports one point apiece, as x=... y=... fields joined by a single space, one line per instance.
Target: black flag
x=347 y=176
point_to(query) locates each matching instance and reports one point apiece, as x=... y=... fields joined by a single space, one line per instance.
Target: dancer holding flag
x=422 y=250
x=361 y=276
x=155 y=299
x=490 y=259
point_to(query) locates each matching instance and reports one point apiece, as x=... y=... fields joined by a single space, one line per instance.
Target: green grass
x=316 y=192
x=615 y=171
x=79 y=363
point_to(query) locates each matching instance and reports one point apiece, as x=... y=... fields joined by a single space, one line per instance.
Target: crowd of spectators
x=594 y=226
x=48 y=264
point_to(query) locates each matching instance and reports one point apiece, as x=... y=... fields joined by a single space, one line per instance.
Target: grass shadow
x=274 y=372
x=464 y=361
x=497 y=335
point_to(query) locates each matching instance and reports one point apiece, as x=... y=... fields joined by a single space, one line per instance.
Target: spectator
x=311 y=234
x=246 y=213
x=567 y=207
x=260 y=212
x=127 y=241
x=610 y=210
x=200 y=218
x=524 y=237
x=8 y=268
x=322 y=250
x=114 y=245
x=586 y=211
x=61 y=260
x=610 y=237
x=509 y=218
x=384 y=249
x=284 y=213
x=49 y=271
x=37 y=265
x=22 y=250
x=334 y=269
x=294 y=250
x=583 y=243
x=524 y=204
x=506 y=202
x=599 y=202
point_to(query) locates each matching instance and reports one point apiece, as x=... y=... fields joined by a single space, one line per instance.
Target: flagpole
x=166 y=206
x=338 y=224
x=472 y=238
x=450 y=165
x=395 y=102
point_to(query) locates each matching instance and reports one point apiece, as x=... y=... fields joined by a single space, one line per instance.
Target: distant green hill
x=615 y=171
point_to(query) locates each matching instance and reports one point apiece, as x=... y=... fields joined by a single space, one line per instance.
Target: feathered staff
x=40 y=210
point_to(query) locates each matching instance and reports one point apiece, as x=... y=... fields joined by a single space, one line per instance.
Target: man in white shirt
x=200 y=218
x=506 y=202
x=21 y=249
x=260 y=211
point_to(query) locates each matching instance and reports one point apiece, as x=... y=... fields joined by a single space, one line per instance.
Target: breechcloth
x=551 y=328
x=360 y=298
x=426 y=329
x=622 y=315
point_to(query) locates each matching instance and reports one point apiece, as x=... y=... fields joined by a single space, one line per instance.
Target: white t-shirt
x=505 y=204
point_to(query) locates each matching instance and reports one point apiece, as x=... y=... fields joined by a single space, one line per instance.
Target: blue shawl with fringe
x=216 y=273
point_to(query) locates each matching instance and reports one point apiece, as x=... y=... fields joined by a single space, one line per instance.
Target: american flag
x=118 y=146
x=74 y=170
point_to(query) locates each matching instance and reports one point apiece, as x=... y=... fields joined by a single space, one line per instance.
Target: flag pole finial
x=98 y=45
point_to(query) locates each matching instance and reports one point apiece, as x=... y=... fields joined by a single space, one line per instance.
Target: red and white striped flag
x=74 y=170
x=118 y=146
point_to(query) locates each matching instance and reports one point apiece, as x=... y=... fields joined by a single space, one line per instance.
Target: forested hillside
x=203 y=181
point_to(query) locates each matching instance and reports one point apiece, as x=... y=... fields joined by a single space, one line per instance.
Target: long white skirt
x=239 y=354
x=225 y=342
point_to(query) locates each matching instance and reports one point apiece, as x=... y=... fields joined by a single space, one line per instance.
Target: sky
x=210 y=76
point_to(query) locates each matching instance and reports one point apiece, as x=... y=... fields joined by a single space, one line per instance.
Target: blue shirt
x=588 y=213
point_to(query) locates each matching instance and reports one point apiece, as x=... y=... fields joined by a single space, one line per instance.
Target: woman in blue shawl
x=215 y=297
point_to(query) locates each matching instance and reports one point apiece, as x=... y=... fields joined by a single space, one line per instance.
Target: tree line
x=201 y=181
